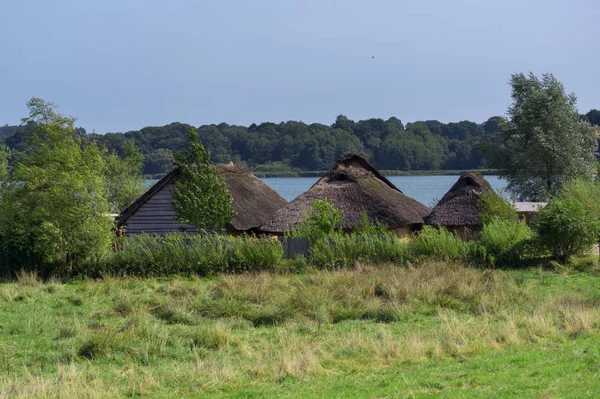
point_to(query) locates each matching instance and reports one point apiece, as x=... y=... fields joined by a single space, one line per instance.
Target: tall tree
x=124 y=181
x=544 y=143
x=54 y=207
x=593 y=116
x=4 y=156
x=201 y=197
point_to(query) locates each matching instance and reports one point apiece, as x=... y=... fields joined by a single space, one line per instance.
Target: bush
x=320 y=223
x=439 y=244
x=500 y=241
x=179 y=253
x=366 y=227
x=586 y=192
x=494 y=206
x=347 y=250
x=566 y=228
x=588 y=263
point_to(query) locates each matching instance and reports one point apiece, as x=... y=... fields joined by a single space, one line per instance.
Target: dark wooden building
x=153 y=212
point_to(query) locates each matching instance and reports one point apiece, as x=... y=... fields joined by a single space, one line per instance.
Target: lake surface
x=425 y=189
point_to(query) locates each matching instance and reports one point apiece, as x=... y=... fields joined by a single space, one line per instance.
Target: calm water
x=425 y=189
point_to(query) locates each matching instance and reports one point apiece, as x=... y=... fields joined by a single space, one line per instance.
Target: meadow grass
x=434 y=328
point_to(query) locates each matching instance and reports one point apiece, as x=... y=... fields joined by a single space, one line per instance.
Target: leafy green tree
x=54 y=208
x=202 y=198
x=593 y=116
x=4 y=157
x=544 y=143
x=124 y=181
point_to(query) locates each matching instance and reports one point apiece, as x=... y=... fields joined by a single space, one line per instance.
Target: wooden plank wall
x=156 y=216
x=293 y=247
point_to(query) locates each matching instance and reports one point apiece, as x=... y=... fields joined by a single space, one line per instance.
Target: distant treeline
x=288 y=146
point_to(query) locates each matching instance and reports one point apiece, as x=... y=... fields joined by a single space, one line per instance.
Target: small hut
x=355 y=186
x=153 y=213
x=459 y=209
x=527 y=211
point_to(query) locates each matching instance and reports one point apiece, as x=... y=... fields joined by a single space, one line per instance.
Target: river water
x=425 y=189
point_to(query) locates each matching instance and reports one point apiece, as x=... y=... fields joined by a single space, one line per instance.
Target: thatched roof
x=254 y=200
x=354 y=185
x=460 y=206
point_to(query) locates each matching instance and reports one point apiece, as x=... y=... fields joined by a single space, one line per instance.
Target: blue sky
x=119 y=65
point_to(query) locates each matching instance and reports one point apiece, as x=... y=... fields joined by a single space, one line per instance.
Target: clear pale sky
x=120 y=65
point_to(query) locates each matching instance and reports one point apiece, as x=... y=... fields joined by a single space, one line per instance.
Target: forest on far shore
x=297 y=146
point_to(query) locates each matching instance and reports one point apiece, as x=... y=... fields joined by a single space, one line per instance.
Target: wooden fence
x=293 y=247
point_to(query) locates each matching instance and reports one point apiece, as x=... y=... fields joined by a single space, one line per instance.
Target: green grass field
x=435 y=329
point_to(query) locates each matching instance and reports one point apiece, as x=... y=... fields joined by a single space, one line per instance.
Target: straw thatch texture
x=354 y=185
x=254 y=201
x=460 y=206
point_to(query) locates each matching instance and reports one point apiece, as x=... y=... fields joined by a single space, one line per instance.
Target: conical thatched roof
x=460 y=206
x=254 y=201
x=356 y=186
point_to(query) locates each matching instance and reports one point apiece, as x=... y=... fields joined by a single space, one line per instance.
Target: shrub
x=588 y=263
x=494 y=206
x=586 y=192
x=566 y=228
x=439 y=244
x=366 y=227
x=179 y=253
x=501 y=240
x=320 y=223
x=347 y=250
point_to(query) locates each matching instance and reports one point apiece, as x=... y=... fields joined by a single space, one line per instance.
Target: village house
x=458 y=210
x=354 y=186
x=153 y=212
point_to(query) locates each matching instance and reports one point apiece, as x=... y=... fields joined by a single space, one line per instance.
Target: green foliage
x=588 y=264
x=320 y=222
x=494 y=206
x=366 y=227
x=54 y=208
x=201 y=197
x=184 y=254
x=440 y=244
x=593 y=117
x=545 y=143
x=501 y=241
x=584 y=191
x=566 y=228
x=345 y=250
x=124 y=181
x=291 y=147
x=4 y=157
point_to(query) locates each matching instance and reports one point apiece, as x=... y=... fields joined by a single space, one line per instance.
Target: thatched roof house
x=152 y=213
x=459 y=209
x=356 y=186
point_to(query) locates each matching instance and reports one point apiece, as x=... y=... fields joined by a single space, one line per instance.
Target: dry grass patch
x=144 y=337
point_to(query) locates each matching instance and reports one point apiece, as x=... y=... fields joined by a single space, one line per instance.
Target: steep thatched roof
x=460 y=206
x=254 y=201
x=356 y=186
